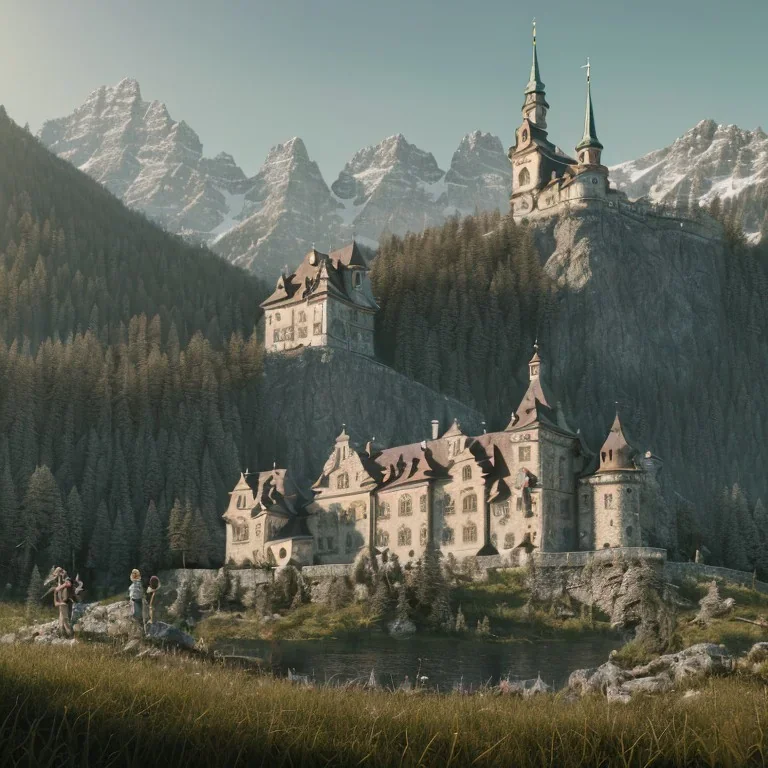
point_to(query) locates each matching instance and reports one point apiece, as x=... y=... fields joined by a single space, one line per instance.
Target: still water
x=445 y=662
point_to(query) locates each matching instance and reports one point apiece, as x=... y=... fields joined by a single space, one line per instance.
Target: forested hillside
x=129 y=375
x=675 y=330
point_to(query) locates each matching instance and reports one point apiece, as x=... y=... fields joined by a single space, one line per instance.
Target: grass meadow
x=88 y=706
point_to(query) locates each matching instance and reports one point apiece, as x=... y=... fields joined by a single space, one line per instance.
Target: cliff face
x=308 y=395
x=657 y=317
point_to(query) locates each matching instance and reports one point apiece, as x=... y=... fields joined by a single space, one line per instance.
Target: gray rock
x=401 y=627
x=656 y=684
x=713 y=605
x=596 y=680
x=616 y=695
x=167 y=634
x=758 y=653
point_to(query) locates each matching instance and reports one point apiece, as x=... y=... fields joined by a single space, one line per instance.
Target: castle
x=544 y=178
x=533 y=486
x=326 y=302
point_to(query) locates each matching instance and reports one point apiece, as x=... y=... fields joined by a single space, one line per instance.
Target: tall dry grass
x=86 y=706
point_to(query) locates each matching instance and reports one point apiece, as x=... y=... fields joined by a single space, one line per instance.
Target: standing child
x=154 y=585
x=136 y=595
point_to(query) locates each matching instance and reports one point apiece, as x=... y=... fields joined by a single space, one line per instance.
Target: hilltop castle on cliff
x=535 y=486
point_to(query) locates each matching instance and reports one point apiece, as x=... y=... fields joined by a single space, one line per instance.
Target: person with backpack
x=136 y=596
x=64 y=596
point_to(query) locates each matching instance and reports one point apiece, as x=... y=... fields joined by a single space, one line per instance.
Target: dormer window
x=357 y=278
x=241 y=501
x=342 y=481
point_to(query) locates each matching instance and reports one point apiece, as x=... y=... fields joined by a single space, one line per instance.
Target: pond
x=445 y=662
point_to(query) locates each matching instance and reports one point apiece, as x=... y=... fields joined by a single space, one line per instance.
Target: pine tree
x=403 y=610
x=119 y=553
x=152 y=544
x=196 y=536
x=381 y=601
x=461 y=622
x=34 y=591
x=98 y=545
x=178 y=532
x=74 y=510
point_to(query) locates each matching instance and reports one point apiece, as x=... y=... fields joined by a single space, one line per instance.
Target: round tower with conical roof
x=613 y=492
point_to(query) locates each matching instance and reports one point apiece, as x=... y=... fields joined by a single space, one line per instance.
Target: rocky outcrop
x=633 y=594
x=661 y=675
x=707 y=160
x=713 y=606
x=309 y=394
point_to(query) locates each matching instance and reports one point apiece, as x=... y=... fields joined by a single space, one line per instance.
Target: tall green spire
x=534 y=84
x=590 y=132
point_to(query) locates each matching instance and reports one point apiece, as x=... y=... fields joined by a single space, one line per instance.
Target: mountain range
x=156 y=165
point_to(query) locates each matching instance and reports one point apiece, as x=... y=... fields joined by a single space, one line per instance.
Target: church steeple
x=589 y=148
x=535 y=105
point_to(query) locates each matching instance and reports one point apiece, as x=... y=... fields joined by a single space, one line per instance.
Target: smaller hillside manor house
x=326 y=302
x=533 y=486
x=544 y=178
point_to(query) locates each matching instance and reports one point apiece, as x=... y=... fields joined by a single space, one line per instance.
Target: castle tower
x=536 y=161
x=535 y=105
x=615 y=493
x=589 y=149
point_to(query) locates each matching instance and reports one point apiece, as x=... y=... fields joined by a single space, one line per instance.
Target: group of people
x=66 y=593
x=136 y=595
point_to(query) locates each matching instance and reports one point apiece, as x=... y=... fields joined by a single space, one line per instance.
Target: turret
x=535 y=105
x=589 y=149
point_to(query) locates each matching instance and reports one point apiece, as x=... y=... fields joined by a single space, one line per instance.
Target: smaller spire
x=589 y=140
x=534 y=84
x=534 y=365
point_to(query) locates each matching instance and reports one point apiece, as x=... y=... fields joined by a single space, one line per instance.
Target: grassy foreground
x=85 y=706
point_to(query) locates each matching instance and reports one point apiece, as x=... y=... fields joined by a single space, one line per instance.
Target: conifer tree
x=152 y=544
x=34 y=590
x=74 y=510
x=98 y=545
x=177 y=532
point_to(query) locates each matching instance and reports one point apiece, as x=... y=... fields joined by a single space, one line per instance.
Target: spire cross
x=534 y=30
x=587 y=66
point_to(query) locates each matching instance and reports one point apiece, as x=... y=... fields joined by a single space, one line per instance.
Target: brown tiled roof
x=617 y=453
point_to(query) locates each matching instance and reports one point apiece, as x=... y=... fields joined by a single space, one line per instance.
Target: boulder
x=616 y=695
x=758 y=653
x=596 y=680
x=702 y=660
x=656 y=684
x=713 y=605
x=166 y=634
x=401 y=627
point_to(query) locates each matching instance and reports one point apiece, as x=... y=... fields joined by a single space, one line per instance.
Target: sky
x=344 y=74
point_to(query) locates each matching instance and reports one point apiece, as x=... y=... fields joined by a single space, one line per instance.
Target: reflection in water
x=446 y=662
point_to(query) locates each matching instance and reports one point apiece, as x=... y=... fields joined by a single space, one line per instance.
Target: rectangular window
x=524 y=453
x=289 y=334
x=302 y=316
x=317 y=329
x=302 y=332
x=519 y=503
x=608 y=501
x=276 y=335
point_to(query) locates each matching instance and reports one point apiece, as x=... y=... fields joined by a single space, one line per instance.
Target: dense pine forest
x=129 y=370
x=462 y=305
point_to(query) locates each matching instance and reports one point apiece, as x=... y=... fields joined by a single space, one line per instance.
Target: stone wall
x=680 y=571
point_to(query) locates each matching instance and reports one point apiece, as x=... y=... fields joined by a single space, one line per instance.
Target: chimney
x=435 y=429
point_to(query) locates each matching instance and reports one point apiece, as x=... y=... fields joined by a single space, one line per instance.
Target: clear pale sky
x=343 y=74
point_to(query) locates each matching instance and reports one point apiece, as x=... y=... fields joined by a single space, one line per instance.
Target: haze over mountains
x=156 y=165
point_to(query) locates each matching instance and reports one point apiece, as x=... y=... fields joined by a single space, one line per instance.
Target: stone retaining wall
x=581 y=559
x=678 y=571
x=316 y=572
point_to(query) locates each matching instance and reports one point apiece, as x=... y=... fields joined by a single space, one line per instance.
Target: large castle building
x=326 y=302
x=544 y=178
x=535 y=486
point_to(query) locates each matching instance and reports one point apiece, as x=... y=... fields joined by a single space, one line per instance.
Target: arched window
x=241 y=501
x=405 y=507
x=423 y=536
x=525 y=134
x=447 y=535
x=469 y=503
x=382 y=538
x=404 y=537
x=342 y=481
x=449 y=507
x=358 y=278
x=384 y=510
x=469 y=534
x=466 y=473
x=524 y=177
